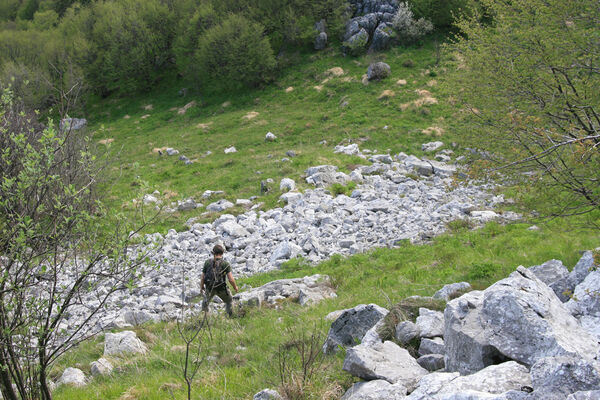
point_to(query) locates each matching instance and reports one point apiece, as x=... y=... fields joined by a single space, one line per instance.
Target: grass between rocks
x=242 y=354
x=306 y=105
x=244 y=351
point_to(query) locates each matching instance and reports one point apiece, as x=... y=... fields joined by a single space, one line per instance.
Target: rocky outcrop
x=352 y=325
x=560 y=376
x=370 y=26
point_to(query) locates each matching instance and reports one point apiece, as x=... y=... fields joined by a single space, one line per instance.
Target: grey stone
x=386 y=361
x=352 y=325
x=382 y=37
x=219 y=206
x=72 y=124
x=234 y=229
x=430 y=323
x=372 y=335
x=172 y=152
x=420 y=167
x=291 y=197
x=465 y=340
x=285 y=250
x=287 y=184
x=125 y=342
x=137 y=317
x=554 y=274
x=375 y=390
x=73 y=377
x=230 y=150
x=267 y=394
x=591 y=324
x=525 y=321
x=495 y=379
x=431 y=146
x=449 y=292
x=378 y=71
x=187 y=205
x=351 y=149
x=270 y=137
x=430 y=384
x=580 y=271
x=357 y=43
x=586 y=298
x=431 y=346
x=431 y=362
x=587 y=395
x=321 y=41
x=101 y=367
x=406 y=331
x=564 y=375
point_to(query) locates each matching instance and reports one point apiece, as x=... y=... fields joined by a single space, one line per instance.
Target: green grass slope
x=242 y=356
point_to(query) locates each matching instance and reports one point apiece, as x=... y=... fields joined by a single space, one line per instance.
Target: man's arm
x=232 y=281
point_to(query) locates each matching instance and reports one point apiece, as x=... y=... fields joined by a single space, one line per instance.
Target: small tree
x=530 y=78
x=57 y=258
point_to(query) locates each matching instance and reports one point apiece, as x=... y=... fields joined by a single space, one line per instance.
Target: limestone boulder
x=407 y=331
x=554 y=274
x=430 y=323
x=375 y=390
x=467 y=349
x=121 y=343
x=587 y=395
x=525 y=321
x=564 y=375
x=73 y=377
x=352 y=325
x=267 y=394
x=449 y=292
x=586 y=298
x=431 y=346
x=386 y=361
x=378 y=71
x=431 y=362
x=101 y=367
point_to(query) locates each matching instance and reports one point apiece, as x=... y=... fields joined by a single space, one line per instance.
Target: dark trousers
x=223 y=293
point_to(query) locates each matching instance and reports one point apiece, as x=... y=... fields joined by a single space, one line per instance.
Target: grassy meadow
x=241 y=355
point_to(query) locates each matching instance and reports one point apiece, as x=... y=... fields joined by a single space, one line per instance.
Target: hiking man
x=214 y=272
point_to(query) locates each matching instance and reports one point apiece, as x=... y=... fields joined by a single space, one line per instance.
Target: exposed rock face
x=525 y=321
x=307 y=290
x=375 y=390
x=321 y=41
x=385 y=361
x=378 y=71
x=72 y=376
x=125 y=342
x=564 y=375
x=352 y=325
x=372 y=21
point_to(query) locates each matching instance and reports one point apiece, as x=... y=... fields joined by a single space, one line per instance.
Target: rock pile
x=514 y=340
x=397 y=198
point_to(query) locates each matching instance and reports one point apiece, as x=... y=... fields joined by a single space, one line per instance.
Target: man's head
x=218 y=250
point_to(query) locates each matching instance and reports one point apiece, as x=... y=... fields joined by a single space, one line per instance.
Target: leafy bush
x=441 y=13
x=410 y=29
x=130 y=42
x=234 y=52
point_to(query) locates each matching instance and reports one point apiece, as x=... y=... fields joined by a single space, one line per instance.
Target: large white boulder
x=375 y=390
x=125 y=342
x=386 y=361
x=73 y=377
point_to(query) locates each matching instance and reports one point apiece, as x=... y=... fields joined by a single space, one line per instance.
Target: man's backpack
x=214 y=276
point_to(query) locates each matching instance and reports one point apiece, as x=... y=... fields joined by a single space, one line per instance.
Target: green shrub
x=130 y=43
x=440 y=12
x=234 y=52
x=480 y=271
